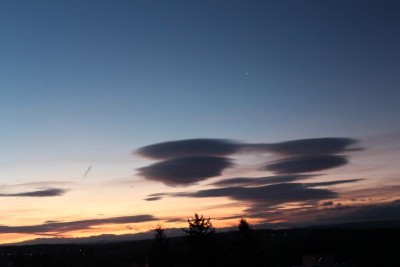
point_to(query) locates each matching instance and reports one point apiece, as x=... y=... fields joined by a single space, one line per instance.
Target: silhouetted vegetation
x=247 y=246
x=200 y=228
x=201 y=241
x=159 y=252
x=202 y=245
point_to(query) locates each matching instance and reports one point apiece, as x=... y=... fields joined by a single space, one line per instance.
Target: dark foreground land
x=295 y=247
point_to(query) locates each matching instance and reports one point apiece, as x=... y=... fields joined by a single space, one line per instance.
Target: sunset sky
x=120 y=115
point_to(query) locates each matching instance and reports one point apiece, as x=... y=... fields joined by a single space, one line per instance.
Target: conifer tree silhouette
x=199 y=227
x=244 y=228
x=248 y=249
x=159 y=253
x=200 y=237
x=159 y=235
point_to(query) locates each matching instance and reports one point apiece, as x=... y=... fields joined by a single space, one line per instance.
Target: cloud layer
x=190 y=148
x=49 y=192
x=269 y=195
x=257 y=181
x=185 y=171
x=326 y=145
x=225 y=147
x=184 y=162
x=308 y=163
x=53 y=227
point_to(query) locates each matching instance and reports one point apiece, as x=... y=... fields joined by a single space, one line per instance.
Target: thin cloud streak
x=87 y=171
x=330 y=183
x=50 y=192
x=270 y=194
x=153 y=198
x=62 y=227
x=257 y=181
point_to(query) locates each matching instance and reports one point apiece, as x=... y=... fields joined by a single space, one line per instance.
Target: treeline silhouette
x=201 y=245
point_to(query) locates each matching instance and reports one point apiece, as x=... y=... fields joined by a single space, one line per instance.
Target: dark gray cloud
x=257 y=181
x=152 y=198
x=189 y=161
x=49 y=192
x=289 y=178
x=314 y=146
x=156 y=196
x=263 y=200
x=190 y=148
x=225 y=147
x=343 y=213
x=55 y=228
x=329 y=183
x=309 y=163
x=185 y=171
x=44 y=184
x=327 y=213
x=269 y=195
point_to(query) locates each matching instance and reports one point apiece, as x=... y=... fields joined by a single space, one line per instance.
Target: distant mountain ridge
x=384 y=224
x=105 y=238
x=174 y=232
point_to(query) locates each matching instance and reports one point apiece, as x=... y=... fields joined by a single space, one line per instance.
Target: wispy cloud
x=330 y=183
x=87 y=171
x=153 y=198
x=38 y=184
x=257 y=181
x=263 y=201
x=49 y=192
x=55 y=227
x=274 y=194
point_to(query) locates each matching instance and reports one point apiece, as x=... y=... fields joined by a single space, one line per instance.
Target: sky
x=120 y=115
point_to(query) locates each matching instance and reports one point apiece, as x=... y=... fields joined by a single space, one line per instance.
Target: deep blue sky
x=137 y=67
x=89 y=81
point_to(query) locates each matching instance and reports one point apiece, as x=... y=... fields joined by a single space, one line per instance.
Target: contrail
x=87 y=171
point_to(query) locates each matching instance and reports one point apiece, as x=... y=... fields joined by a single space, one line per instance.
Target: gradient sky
x=87 y=86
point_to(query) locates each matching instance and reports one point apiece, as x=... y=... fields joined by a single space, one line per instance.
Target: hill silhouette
x=357 y=244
